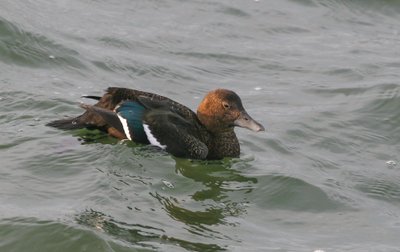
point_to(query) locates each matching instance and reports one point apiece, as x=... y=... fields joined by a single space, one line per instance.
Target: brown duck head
x=222 y=109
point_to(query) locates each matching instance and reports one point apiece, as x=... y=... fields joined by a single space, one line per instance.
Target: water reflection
x=132 y=233
x=222 y=194
x=209 y=216
x=86 y=136
x=216 y=191
x=143 y=236
x=217 y=176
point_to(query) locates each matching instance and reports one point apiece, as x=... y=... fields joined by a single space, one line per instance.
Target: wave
x=25 y=48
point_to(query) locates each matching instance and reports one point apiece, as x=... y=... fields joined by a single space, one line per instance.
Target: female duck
x=154 y=119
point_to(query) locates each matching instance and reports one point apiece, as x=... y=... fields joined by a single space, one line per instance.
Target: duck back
x=110 y=100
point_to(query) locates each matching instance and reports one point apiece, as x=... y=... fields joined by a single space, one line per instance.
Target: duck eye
x=226 y=105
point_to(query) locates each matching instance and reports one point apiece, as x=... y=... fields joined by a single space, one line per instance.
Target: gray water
x=321 y=75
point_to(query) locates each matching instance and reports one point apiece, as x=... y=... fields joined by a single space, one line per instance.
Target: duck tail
x=67 y=124
x=91 y=97
x=89 y=119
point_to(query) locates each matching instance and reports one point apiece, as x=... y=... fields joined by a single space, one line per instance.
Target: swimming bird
x=150 y=118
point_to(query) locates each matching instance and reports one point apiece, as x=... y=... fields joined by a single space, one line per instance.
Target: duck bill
x=245 y=121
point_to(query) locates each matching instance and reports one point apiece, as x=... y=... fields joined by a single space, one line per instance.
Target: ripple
x=385 y=90
x=134 y=69
x=386 y=7
x=209 y=216
x=349 y=74
x=234 y=12
x=305 y=2
x=380 y=188
x=323 y=163
x=116 y=42
x=287 y=29
x=283 y=192
x=138 y=235
x=381 y=115
x=34 y=50
x=279 y=146
x=41 y=235
x=372 y=120
x=220 y=57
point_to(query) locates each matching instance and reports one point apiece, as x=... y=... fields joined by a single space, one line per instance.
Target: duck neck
x=220 y=139
x=223 y=144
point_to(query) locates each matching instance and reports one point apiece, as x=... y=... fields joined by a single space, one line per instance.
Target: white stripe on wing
x=151 y=137
x=125 y=126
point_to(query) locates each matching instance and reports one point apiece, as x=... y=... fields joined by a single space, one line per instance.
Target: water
x=322 y=76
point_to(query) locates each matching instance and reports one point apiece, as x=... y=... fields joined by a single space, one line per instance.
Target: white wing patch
x=151 y=138
x=125 y=126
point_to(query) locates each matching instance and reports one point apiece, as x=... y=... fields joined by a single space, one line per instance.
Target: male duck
x=154 y=119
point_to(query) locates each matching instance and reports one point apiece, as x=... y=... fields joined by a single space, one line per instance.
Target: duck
x=149 y=118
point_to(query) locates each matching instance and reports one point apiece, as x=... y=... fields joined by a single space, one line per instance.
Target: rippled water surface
x=322 y=76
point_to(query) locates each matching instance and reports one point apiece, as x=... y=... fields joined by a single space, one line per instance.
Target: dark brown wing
x=170 y=131
x=112 y=97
